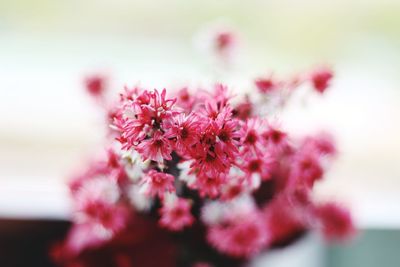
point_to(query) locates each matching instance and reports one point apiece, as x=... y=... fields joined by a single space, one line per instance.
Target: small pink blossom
x=146 y=114
x=185 y=99
x=234 y=187
x=251 y=136
x=336 y=222
x=224 y=42
x=176 y=215
x=255 y=164
x=306 y=168
x=321 y=78
x=210 y=185
x=266 y=85
x=240 y=238
x=185 y=132
x=323 y=143
x=243 y=110
x=158 y=183
x=157 y=148
x=275 y=138
x=96 y=85
x=283 y=219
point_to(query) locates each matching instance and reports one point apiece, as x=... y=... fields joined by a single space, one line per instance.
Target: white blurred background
x=49 y=125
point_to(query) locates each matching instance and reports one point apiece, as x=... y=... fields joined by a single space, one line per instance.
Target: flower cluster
x=203 y=170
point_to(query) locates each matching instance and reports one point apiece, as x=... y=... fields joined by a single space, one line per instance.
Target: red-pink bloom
x=306 y=168
x=284 y=219
x=266 y=85
x=96 y=85
x=275 y=138
x=321 y=78
x=158 y=183
x=257 y=164
x=220 y=96
x=241 y=238
x=175 y=215
x=112 y=218
x=147 y=113
x=243 y=110
x=250 y=136
x=185 y=132
x=336 y=222
x=129 y=94
x=185 y=99
x=322 y=143
x=209 y=185
x=233 y=188
x=157 y=148
x=224 y=41
x=215 y=151
x=116 y=168
x=97 y=203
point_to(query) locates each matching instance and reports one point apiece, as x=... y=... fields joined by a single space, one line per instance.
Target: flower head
x=96 y=85
x=175 y=214
x=157 y=148
x=266 y=85
x=241 y=238
x=321 y=78
x=158 y=183
x=336 y=222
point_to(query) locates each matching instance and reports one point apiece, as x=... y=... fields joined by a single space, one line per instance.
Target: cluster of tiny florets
x=210 y=162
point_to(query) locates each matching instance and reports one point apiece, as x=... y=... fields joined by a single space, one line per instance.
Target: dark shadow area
x=27 y=242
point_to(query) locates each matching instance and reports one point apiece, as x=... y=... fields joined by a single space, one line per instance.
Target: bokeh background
x=49 y=126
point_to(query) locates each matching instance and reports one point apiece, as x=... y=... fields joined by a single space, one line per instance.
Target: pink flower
x=336 y=222
x=266 y=85
x=306 y=168
x=176 y=215
x=284 y=219
x=147 y=113
x=112 y=218
x=275 y=138
x=233 y=187
x=224 y=41
x=241 y=238
x=228 y=136
x=96 y=85
x=321 y=78
x=158 y=183
x=157 y=148
x=185 y=131
x=211 y=158
x=210 y=185
x=256 y=164
x=243 y=110
x=220 y=96
x=323 y=143
x=185 y=100
x=250 y=136
x=98 y=207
